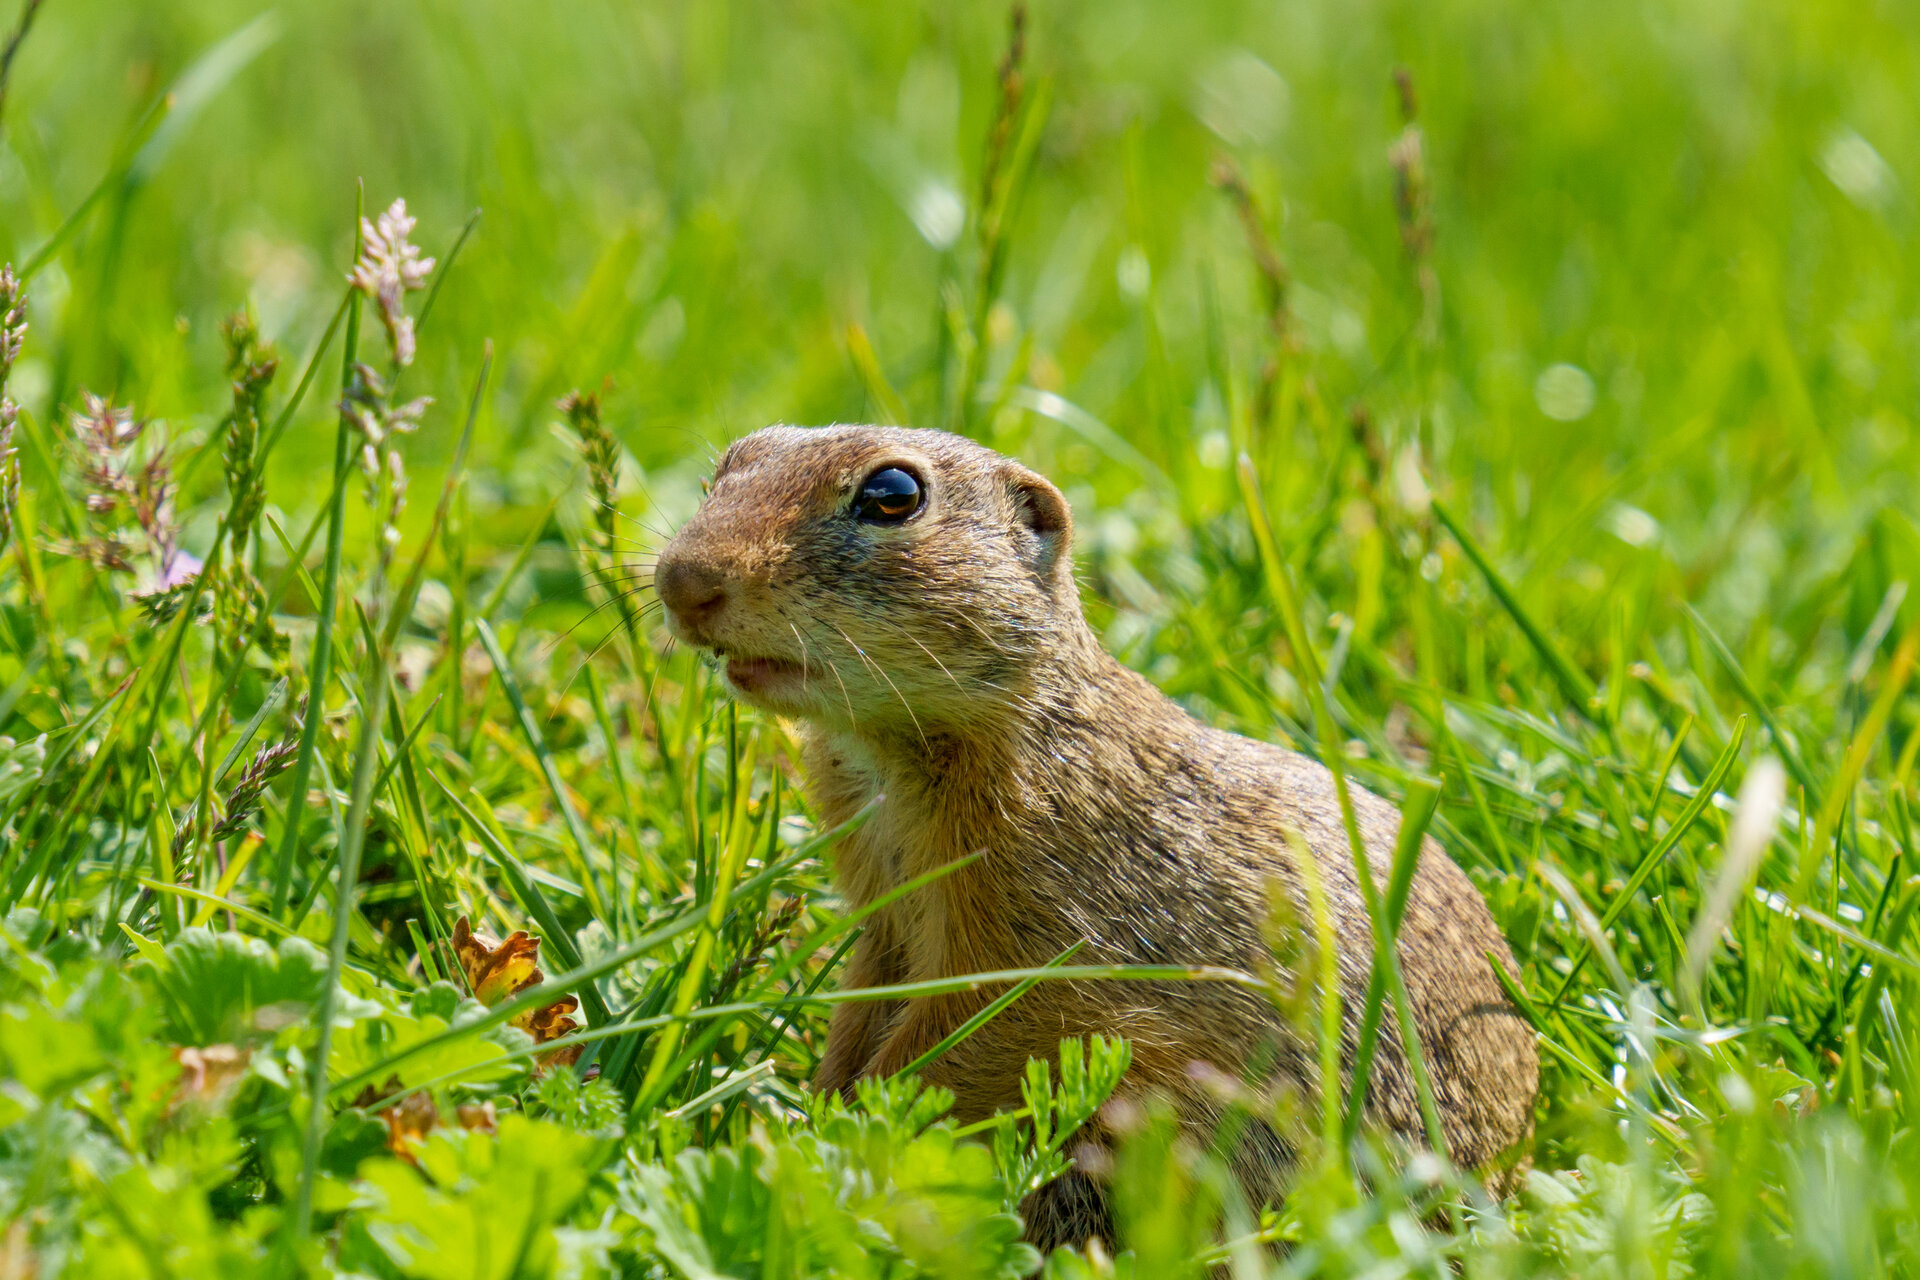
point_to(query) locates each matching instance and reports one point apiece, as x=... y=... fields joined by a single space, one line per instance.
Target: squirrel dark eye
x=887 y=496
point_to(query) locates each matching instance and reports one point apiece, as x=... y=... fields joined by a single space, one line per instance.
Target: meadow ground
x=1559 y=356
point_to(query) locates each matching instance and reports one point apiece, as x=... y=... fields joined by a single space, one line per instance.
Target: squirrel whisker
x=930 y=653
x=877 y=670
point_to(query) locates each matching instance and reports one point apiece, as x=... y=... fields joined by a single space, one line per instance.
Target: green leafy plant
x=880 y=1188
x=1035 y=1153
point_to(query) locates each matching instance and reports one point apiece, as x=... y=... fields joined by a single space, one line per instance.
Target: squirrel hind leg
x=1070 y=1210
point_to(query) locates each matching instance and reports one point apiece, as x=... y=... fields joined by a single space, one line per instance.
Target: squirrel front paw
x=837 y=1071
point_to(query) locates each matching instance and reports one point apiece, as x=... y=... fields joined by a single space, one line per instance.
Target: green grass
x=1578 y=437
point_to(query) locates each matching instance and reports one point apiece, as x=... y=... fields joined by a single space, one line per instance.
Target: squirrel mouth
x=757 y=675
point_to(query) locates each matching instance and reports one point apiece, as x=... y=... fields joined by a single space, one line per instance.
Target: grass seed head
x=253 y=367
x=13 y=333
x=389 y=268
x=9 y=472
x=13 y=320
x=105 y=436
x=601 y=452
x=269 y=763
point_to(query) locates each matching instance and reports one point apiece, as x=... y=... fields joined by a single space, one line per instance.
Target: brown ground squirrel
x=908 y=597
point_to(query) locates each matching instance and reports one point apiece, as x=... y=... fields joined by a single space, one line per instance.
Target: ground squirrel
x=908 y=597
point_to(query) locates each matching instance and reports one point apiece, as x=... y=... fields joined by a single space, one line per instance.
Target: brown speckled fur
x=947 y=665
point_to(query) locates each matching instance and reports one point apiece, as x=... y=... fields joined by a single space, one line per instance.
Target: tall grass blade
x=319 y=663
x=537 y=743
x=1574 y=684
x=1623 y=898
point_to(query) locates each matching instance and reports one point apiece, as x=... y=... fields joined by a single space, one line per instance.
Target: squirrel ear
x=1040 y=509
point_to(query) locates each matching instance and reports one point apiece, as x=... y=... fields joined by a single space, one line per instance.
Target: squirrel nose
x=693 y=592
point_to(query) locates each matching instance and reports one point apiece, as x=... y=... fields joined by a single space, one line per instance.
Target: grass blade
x=1573 y=683
x=554 y=987
x=1736 y=673
x=1333 y=755
x=318 y=669
x=1662 y=847
x=537 y=742
x=530 y=897
x=1423 y=796
x=985 y=1015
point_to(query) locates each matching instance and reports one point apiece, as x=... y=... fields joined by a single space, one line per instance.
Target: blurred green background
x=1705 y=208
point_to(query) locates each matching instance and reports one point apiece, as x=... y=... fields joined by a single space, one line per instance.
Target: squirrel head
x=875 y=579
